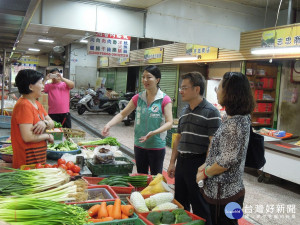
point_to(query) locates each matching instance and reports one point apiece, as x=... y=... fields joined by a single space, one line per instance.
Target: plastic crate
x=143 y=216
x=108 y=193
x=133 y=220
x=5 y=122
x=174 y=202
x=111 y=168
x=119 y=190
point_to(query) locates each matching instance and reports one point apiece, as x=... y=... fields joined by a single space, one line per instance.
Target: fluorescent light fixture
x=84 y=41
x=45 y=40
x=275 y=50
x=185 y=58
x=115 y=0
x=34 y=49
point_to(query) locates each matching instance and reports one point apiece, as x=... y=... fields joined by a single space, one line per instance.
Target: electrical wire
x=266 y=13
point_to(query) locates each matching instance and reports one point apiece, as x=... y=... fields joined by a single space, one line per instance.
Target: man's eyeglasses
x=183 y=88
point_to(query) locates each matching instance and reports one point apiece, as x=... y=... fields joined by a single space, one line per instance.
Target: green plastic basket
x=111 y=168
x=133 y=220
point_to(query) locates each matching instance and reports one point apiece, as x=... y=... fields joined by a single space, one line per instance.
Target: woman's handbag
x=255 y=157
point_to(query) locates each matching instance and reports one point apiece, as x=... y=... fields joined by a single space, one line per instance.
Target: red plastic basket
x=143 y=216
x=108 y=188
x=92 y=181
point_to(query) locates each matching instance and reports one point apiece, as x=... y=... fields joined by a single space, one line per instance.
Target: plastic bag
x=103 y=156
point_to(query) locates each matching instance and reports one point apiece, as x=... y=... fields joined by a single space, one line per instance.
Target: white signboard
x=110 y=45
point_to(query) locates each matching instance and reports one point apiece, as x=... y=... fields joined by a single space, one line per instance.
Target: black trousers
x=218 y=213
x=63 y=118
x=149 y=158
x=186 y=188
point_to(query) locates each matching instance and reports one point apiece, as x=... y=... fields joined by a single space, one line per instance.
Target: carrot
x=102 y=213
x=123 y=216
x=127 y=210
x=116 y=214
x=101 y=220
x=93 y=210
x=110 y=209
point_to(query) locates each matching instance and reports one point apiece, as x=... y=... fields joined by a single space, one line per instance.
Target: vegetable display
x=106 y=141
x=7 y=150
x=156 y=186
x=122 y=181
x=116 y=211
x=63 y=146
x=31 y=181
x=29 y=211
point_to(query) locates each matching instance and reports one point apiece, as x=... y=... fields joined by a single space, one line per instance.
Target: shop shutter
x=121 y=80
x=103 y=73
x=110 y=79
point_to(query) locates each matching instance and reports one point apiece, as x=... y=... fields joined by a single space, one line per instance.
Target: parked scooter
x=123 y=103
x=74 y=101
x=92 y=103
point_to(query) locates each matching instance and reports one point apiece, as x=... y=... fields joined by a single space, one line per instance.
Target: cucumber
x=118 y=183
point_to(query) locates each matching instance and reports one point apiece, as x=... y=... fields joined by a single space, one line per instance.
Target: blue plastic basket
x=57 y=154
x=5 y=121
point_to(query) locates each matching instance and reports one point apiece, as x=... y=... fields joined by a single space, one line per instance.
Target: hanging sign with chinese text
x=284 y=37
x=202 y=51
x=154 y=55
x=110 y=45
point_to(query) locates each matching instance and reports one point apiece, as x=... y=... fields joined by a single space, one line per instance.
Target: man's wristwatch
x=201 y=184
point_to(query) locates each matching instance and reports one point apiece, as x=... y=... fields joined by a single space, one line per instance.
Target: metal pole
x=3 y=76
x=290 y=8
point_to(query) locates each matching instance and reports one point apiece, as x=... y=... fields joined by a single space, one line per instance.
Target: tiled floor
x=276 y=203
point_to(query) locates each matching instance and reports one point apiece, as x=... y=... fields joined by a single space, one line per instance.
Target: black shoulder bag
x=255 y=157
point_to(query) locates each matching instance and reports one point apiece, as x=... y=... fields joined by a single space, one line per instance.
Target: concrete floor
x=275 y=203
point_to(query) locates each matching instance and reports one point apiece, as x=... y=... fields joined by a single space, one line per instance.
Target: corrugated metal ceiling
x=15 y=24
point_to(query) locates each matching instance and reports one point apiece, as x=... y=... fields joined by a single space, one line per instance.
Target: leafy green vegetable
x=63 y=146
x=7 y=150
x=57 y=124
x=106 y=141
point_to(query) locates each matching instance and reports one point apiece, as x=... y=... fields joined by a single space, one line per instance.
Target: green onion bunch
x=20 y=182
x=71 y=191
x=30 y=211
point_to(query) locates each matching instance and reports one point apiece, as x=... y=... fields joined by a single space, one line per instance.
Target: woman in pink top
x=59 y=97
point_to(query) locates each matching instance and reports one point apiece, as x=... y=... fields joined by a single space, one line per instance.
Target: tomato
x=48 y=166
x=63 y=166
x=76 y=169
x=27 y=168
x=61 y=161
x=70 y=172
x=75 y=174
x=70 y=164
x=39 y=165
x=55 y=166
